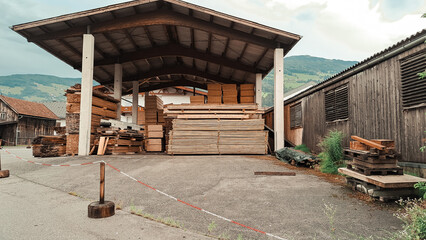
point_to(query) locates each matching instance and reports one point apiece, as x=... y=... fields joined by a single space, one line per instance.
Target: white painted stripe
x=223 y=218
x=125 y=174
x=165 y=194
x=275 y=236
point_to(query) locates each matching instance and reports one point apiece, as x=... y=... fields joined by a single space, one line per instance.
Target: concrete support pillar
x=279 y=98
x=259 y=89
x=86 y=95
x=135 y=102
x=118 y=83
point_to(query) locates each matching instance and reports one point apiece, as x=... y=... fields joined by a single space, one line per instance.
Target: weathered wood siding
x=8 y=125
x=29 y=128
x=375 y=111
x=293 y=135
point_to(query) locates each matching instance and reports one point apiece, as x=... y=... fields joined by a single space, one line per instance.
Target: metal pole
x=102 y=191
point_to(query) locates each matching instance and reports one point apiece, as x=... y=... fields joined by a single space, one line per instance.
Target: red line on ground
x=114 y=168
x=64 y=165
x=45 y=164
x=146 y=185
x=30 y=161
x=86 y=163
x=189 y=204
x=242 y=225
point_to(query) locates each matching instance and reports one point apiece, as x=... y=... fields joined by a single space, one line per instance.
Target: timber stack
x=153 y=110
x=103 y=107
x=113 y=140
x=215 y=129
x=214 y=93
x=246 y=93
x=373 y=157
x=49 y=146
x=230 y=93
x=154 y=139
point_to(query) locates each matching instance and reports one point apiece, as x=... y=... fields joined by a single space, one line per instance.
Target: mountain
x=36 y=87
x=301 y=71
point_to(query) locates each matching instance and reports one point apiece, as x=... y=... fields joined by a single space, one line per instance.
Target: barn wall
x=29 y=128
x=293 y=135
x=8 y=125
x=375 y=111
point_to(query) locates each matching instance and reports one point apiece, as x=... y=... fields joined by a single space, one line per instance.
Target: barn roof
x=58 y=108
x=162 y=43
x=403 y=45
x=28 y=108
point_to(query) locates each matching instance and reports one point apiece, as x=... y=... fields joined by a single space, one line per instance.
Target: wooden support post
x=3 y=173
x=86 y=94
x=102 y=181
x=259 y=89
x=279 y=98
x=135 y=102
x=118 y=87
x=101 y=208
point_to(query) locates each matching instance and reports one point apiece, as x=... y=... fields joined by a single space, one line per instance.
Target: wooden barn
x=21 y=121
x=381 y=97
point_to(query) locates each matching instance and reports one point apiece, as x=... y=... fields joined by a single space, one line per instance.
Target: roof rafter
x=173 y=83
x=159 y=17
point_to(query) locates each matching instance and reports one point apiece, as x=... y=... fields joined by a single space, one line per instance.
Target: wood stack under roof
x=215 y=129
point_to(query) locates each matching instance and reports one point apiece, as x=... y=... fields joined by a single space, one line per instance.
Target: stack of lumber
x=215 y=129
x=247 y=93
x=115 y=141
x=214 y=93
x=229 y=93
x=103 y=107
x=154 y=138
x=153 y=109
x=49 y=146
x=196 y=99
x=373 y=157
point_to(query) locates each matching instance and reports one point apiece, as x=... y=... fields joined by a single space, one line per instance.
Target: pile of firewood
x=49 y=146
x=113 y=140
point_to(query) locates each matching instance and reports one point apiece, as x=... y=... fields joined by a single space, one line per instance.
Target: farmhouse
x=381 y=97
x=21 y=121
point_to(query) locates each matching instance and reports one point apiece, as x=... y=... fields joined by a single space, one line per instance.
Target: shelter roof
x=162 y=43
x=28 y=108
x=58 y=108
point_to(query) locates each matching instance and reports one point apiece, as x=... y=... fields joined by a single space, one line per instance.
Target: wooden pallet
x=375 y=171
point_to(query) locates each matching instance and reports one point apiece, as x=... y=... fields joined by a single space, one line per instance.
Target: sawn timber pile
x=216 y=129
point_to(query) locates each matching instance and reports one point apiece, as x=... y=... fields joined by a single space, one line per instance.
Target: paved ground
x=288 y=207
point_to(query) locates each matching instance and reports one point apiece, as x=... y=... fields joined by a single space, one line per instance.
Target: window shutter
x=413 y=88
x=336 y=104
x=296 y=115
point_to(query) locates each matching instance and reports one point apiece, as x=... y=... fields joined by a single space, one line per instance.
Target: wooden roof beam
x=175 y=70
x=178 y=51
x=159 y=17
x=179 y=82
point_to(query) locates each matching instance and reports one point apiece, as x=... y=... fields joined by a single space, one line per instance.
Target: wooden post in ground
x=101 y=208
x=3 y=173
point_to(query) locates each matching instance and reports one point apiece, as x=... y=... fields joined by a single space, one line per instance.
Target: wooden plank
x=368 y=142
x=389 y=181
x=374 y=165
x=154 y=128
x=101 y=146
x=212 y=106
x=212 y=116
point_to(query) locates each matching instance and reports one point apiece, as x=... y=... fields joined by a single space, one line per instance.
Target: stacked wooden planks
x=153 y=110
x=154 y=139
x=196 y=99
x=103 y=107
x=230 y=93
x=49 y=146
x=115 y=141
x=247 y=93
x=214 y=93
x=215 y=129
x=373 y=157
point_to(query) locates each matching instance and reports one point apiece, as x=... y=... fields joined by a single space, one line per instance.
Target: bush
x=302 y=147
x=332 y=152
x=421 y=186
x=414 y=218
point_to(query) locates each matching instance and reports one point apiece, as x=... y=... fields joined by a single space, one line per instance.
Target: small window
x=336 y=104
x=296 y=116
x=2 y=116
x=413 y=88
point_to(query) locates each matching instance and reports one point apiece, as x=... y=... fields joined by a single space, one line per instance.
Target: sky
x=334 y=29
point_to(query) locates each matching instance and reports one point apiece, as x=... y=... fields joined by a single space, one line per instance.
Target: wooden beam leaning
x=159 y=17
x=176 y=50
x=176 y=70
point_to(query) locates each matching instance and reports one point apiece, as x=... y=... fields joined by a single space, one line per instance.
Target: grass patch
x=167 y=221
x=332 y=152
x=303 y=147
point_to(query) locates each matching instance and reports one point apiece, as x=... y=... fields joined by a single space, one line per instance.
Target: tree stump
x=4 y=173
x=101 y=210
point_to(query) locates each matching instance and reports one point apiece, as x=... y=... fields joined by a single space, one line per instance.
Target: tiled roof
x=58 y=108
x=28 y=108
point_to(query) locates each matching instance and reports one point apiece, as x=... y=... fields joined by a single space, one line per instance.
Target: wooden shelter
x=381 y=97
x=144 y=45
x=21 y=121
